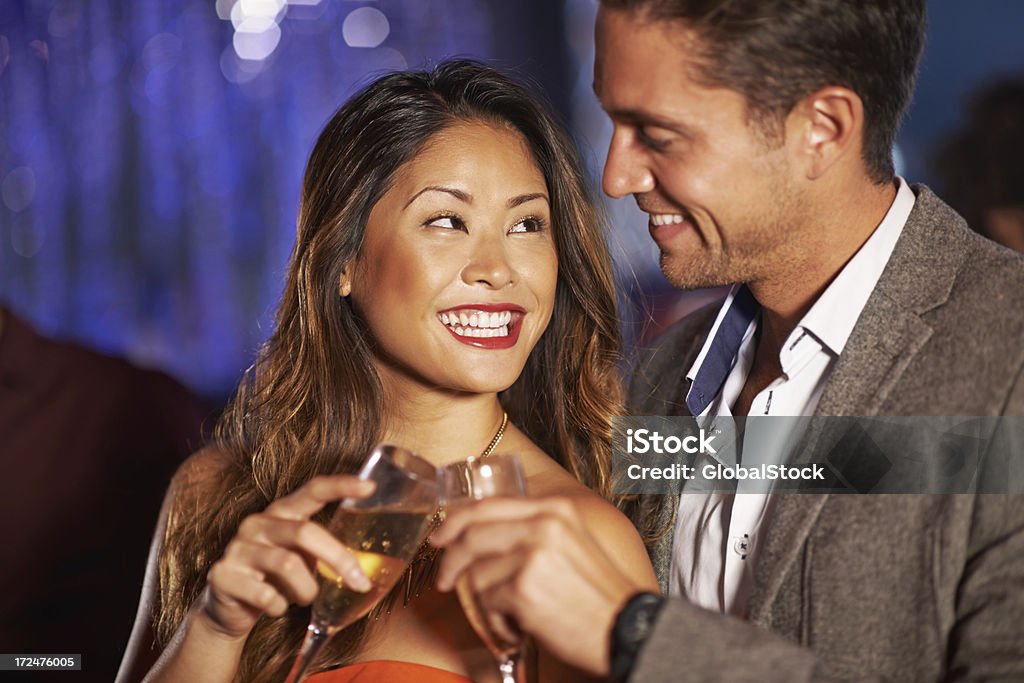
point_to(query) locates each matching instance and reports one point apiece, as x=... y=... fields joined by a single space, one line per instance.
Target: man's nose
x=625 y=170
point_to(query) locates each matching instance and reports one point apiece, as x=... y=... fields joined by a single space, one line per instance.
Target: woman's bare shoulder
x=612 y=529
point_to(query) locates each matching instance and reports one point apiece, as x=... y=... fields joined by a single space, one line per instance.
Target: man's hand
x=533 y=563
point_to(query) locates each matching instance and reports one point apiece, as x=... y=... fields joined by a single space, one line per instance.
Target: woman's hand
x=270 y=563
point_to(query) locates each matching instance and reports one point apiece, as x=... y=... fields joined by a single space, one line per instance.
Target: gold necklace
x=497 y=437
x=423 y=568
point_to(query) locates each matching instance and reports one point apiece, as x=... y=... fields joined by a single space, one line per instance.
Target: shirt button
x=741 y=546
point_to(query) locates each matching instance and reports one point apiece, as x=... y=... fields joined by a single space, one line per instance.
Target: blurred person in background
x=88 y=444
x=982 y=165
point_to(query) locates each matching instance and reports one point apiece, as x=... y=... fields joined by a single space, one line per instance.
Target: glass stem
x=316 y=636
x=509 y=669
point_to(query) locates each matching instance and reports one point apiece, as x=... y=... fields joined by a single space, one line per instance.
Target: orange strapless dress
x=386 y=671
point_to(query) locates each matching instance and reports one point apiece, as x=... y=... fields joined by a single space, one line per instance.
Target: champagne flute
x=476 y=479
x=383 y=531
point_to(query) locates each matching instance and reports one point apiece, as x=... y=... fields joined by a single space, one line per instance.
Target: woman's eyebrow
x=468 y=198
x=523 y=198
x=455 y=192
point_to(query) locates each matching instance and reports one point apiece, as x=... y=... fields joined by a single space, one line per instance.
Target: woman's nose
x=489 y=265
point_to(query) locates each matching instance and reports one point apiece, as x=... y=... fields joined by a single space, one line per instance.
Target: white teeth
x=481 y=332
x=477 y=319
x=666 y=218
x=480 y=324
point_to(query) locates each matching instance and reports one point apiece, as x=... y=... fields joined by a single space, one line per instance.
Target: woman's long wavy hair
x=312 y=402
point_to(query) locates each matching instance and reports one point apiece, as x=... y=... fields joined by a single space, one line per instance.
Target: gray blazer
x=876 y=587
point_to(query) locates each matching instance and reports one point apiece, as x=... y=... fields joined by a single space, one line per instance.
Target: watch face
x=638 y=628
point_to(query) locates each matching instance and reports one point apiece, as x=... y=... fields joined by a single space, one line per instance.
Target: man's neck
x=842 y=229
x=785 y=300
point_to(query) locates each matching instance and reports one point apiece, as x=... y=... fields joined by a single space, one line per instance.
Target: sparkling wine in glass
x=462 y=483
x=383 y=531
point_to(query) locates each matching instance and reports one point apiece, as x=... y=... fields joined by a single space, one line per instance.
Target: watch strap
x=632 y=627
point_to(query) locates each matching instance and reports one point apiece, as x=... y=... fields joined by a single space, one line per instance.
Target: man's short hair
x=775 y=52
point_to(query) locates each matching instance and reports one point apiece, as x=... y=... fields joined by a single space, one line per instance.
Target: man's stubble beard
x=766 y=245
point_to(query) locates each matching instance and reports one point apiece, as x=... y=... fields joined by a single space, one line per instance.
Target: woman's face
x=456 y=275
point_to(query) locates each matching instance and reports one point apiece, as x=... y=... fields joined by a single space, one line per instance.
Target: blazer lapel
x=891 y=330
x=661 y=551
x=659 y=387
x=888 y=334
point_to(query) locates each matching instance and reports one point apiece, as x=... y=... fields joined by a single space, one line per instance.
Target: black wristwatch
x=632 y=627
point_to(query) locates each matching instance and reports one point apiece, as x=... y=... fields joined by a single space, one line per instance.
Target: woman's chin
x=490 y=384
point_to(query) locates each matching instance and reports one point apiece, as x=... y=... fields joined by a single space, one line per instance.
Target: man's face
x=723 y=199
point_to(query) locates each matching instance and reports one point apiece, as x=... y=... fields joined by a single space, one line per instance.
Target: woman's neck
x=443 y=428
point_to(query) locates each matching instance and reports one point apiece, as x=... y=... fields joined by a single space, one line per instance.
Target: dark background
x=150 y=178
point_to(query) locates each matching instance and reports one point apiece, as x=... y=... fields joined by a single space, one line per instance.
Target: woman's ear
x=345 y=281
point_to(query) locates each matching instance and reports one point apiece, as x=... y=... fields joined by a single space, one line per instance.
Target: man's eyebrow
x=455 y=192
x=523 y=198
x=636 y=117
x=639 y=117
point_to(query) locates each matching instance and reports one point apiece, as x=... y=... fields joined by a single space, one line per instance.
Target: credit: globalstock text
x=718 y=472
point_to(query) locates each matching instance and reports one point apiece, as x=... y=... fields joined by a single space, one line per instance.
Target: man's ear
x=830 y=123
x=345 y=281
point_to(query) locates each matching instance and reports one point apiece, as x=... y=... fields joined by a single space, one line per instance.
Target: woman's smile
x=484 y=326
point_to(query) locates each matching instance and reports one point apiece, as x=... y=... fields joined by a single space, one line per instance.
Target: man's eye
x=449 y=222
x=647 y=140
x=530 y=224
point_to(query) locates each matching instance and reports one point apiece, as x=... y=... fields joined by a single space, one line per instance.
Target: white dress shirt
x=717 y=536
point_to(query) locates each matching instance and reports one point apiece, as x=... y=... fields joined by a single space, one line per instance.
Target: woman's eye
x=449 y=222
x=531 y=224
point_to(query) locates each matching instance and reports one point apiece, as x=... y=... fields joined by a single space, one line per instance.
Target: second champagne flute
x=462 y=483
x=383 y=531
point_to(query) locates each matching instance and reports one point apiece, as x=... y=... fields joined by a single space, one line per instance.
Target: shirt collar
x=709 y=372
